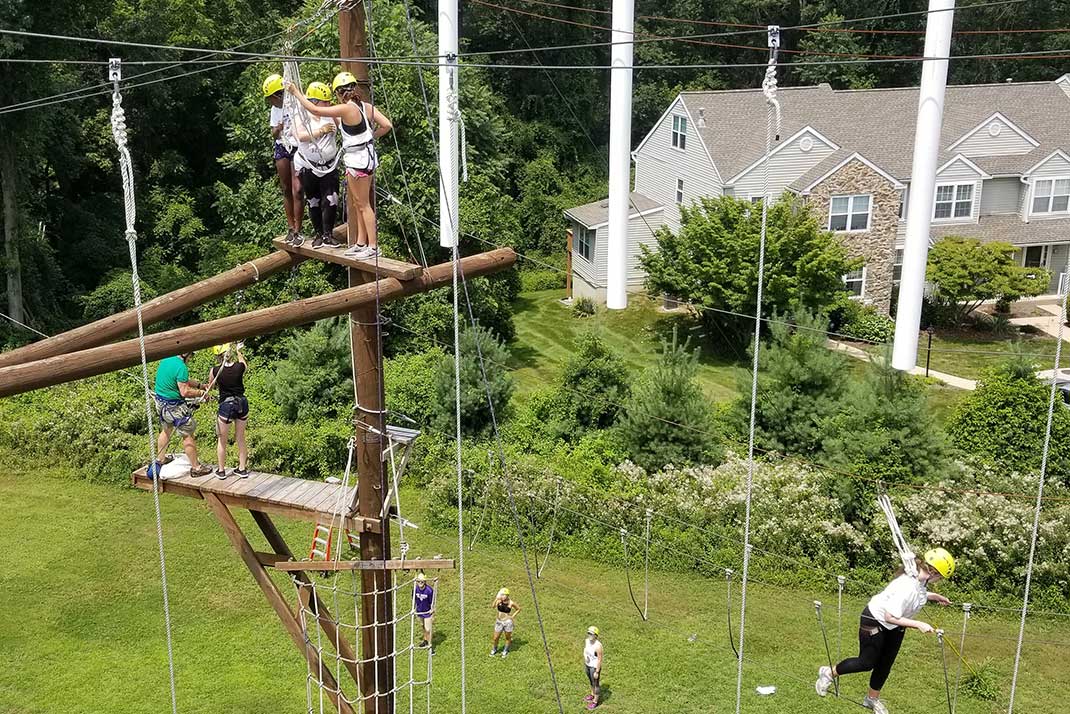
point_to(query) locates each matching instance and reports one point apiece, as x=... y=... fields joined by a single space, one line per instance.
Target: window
x=953 y=201
x=1051 y=195
x=583 y=243
x=855 y=281
x=1035 y=256
x=679 y=191
x=897 y=267
x=903 y=205
x=849 y=213
x=679 y=133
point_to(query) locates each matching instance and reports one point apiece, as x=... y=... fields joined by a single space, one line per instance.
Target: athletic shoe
x=589 y=698
x=494 y=653
x=824 y=681
x=505 y=653
x=424 y=644
x=298 y=239
x=330 y=242
x=875 y=704
x=355 y=250
x=202 y=470
x=592 y=705
x=221 y=474
x=241 y=473
x=317 y=241
x=167 y=459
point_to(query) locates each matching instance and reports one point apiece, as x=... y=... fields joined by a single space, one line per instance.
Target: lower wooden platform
x=313 y=501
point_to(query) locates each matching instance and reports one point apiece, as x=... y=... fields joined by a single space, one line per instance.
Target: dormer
x=1063 y=83
x=995 y=136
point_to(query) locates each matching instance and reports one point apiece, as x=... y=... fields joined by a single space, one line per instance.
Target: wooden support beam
x=275 y=598
x=329 y=565
x=108 y=358
x=156 y=310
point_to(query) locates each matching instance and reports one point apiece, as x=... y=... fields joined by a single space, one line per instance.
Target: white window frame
x=903 y=198
x=679 y=132
x=897 y=262
x=955 y=200
x=679 y=192
x=1051 y=196
x=862 y=291
x=583 y=241
x=1045 y=256
x=851 y=212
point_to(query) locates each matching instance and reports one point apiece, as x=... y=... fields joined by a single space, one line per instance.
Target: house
x=1004 y=173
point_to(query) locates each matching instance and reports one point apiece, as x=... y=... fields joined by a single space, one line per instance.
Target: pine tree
x=592 y=391
x=475 y=411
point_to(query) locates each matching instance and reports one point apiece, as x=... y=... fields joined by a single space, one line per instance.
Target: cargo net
x=339 y=618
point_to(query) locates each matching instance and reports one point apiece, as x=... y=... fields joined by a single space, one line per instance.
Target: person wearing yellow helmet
x=317 y=159
x=505 y=611
x=592 y=662
x=884 y=623
x=279 y=120
x=361 y=123
x=228 y=375
x=423 y=603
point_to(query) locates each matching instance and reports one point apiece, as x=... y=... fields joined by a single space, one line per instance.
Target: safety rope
x=728 y=572
x=772 y=129
x=943 y=661
x=460 y=470
x=646 y=564
x=906 y=553
x=628 y=572
x=553 y=529
x=1045 y=453
x=966 y=607
x=825 y=639
x=126 y=169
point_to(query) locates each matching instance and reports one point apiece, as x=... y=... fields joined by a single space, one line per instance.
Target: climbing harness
x=906 y=554
x=825 y=639
x=126 y=168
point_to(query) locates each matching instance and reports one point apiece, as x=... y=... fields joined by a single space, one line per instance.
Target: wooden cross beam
x=346 y=565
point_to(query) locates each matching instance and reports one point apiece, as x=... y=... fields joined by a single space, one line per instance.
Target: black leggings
x=877 y=649
x=321 y=193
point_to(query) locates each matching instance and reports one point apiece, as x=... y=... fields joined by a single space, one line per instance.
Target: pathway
x=948 y=379
x=1048 y=324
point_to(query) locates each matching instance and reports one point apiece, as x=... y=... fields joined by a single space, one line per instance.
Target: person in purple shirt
x=423 y=600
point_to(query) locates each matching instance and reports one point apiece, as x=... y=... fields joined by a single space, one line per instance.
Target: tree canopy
x=966 y=272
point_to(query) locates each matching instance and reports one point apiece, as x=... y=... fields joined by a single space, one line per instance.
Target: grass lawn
x=81 y=625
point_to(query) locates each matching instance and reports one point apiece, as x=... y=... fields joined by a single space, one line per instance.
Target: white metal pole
x=923 y=182
x=620 y=138
x=447 y=123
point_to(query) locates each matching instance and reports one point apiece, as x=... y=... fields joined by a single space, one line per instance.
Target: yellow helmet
x=421 y=578
x=221 y=349
x=318 y=90
x=342 y=79
x=504 y=592
x=592 y=630
x=272 y=85
x=941 y=561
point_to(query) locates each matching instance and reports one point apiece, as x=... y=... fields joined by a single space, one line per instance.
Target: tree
x=667 y=420
x=800 y=387
x=478 y=345
x=967 y=272
x=834 y=46
x=712 y=262
x=314 y=381
x=592 y=390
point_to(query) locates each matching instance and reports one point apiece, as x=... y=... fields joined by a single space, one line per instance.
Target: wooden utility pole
x=366 y=338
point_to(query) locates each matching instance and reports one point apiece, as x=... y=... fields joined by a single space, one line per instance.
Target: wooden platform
x=383 y=267
x=297 y=498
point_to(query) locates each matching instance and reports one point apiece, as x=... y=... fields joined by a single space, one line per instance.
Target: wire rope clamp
x=966 y=607
x=817 y=606
x=840 y=580
x=115 y=69
x=774 y=37
x=623 y=534
x=940 y=636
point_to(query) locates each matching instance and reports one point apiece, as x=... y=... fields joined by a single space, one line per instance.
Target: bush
x=981 y=681
x=583 y=307
x=592 y=390
x=310 y=451
x=315 y=381
x=480 y=350
x=409 y=381
x=538 y=279
x=864 y=322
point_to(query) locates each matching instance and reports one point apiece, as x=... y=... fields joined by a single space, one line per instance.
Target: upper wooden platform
x=312 y=501
x=381 y=267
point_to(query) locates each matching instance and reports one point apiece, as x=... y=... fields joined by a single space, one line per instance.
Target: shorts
x=233 y=409
x=593 y=679
x=281 y=152
x=426 y=622
x=178 y=416
x=503 y=626
x=359 y=173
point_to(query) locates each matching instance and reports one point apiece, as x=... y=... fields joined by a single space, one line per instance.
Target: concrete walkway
x=1048 y=324
x=948 y=379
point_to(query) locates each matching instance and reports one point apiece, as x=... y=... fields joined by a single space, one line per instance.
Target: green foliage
x=409 y=380
x=981 y=681
x=113 y=295
x=831 y=47
x=863 y=322
x=537 y=279
x=966 y=272
x=593 y=389
x=303 y=450
x=667 y=420
x=315 y=379
x=480 y=350
x=710 y=262
x=583 y=307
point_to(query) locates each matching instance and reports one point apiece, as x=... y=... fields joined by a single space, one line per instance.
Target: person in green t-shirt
x=173 y=387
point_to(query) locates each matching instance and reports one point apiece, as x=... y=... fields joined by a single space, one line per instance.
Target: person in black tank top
x=505 y=611
x=229 y=376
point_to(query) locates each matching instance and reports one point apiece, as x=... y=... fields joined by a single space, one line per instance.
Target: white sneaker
x=824 y=681
x=355 y=251
x=505 y=653
x=875 y=704
x=494 y=653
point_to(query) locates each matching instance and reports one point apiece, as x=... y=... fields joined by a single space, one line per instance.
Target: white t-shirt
x=591 y=648
x=903 y=597
x=320 y=155
x=280 y=115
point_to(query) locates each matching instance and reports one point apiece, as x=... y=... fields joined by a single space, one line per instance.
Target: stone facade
x=877 y=245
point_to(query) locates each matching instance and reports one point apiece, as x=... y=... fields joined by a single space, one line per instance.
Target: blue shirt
x=423 y=597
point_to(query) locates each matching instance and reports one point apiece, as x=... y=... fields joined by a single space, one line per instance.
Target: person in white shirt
x=885 y=621
x=592 y=662
x=317 y=160
x=279 y=121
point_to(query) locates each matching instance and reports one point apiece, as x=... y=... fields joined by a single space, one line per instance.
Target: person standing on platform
x=423 y=600
x=172 y=388
x=279 y=121
x=317 y=160
x=229 y=376
x=505 y=611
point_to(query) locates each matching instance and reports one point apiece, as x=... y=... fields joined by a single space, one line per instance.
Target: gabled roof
x=780 y=147
x=596 y=213
x=1046 y=159
x=959 y=158
x=997 y=116
x=690 y=123
x=831 y=169
x=879 y=123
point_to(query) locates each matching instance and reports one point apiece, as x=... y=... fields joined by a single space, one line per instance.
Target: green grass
x=81 y=627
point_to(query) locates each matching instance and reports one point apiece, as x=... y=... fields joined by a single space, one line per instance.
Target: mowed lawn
x=81 y=625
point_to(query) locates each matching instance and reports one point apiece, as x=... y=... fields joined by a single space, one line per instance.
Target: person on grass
x=592 y=662
x=172 y=388
x=360 y=123
x=505 y=611
x=228 y=375
x=279 y=121
x=317 y=161
x=885 y=621
x=423 y=600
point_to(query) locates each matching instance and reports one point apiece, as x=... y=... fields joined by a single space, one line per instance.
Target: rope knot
x=769 y=87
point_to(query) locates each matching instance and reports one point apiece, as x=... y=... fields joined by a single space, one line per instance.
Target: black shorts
x=233 y=409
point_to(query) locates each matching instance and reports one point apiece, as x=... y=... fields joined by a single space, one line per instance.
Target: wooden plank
x=325 y=502
x=381 y=266
x=289 y=486
x=427 y=564
x=312 y=493
x=275 y=598
x=245 y=485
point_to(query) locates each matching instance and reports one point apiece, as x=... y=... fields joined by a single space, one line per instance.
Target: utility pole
x=376 y=675
x=448 y=137
x=620 y=163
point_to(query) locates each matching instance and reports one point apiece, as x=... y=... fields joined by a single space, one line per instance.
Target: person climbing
x=229 y=376
x=361 y=124
x=884 y=622
x=279 y=121
x=317 y=160
x=423 y=600
x=172 y=388
x=505 y=611
x=592 y=662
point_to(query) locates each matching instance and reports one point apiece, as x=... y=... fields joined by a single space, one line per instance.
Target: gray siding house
x=1004 y=173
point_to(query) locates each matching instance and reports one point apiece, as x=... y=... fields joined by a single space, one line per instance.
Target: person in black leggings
x=884 y=623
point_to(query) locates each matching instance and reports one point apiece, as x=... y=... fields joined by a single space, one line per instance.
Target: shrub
x=305 y=450
x=865 y=322
x=966 y=272
x=583 y=307
x=480 y=350
x=592 y=389
x=538 y=279
x=981 y=681
x=409 y=381
x=315 y=381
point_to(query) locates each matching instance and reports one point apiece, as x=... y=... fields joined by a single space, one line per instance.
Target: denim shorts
x=234 y=409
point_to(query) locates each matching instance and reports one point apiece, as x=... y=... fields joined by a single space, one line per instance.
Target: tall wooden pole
x=366 y=338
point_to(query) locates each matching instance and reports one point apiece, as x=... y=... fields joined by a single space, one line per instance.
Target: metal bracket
x=773 y=41
x=115 y=69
